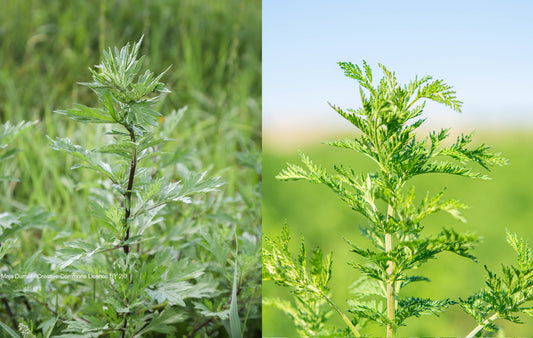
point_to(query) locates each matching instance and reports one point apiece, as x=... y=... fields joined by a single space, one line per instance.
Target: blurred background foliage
x=215 y=51
x=314 y=212
x=214 y=48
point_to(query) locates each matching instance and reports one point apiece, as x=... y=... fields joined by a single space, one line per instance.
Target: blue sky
x=484 y=49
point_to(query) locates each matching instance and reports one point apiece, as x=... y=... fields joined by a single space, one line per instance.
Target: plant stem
x=340 y=313
x=390 y=282
x=127 y=195
x=124 y=327
x=481 y=326
x=10 y=313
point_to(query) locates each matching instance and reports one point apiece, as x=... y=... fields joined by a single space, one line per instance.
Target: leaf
x=84 y=114
x=84 y=327
x=12 y=333
x=204 y=311
x=8 y=154
x=89 y=157
x=47 y=326
x=175 y=293
x=366 y=286
x=163 y=322
x=181 y=191
x=309 y=315
x=371 y=310
x=7 y=220
x=123 y=148
x=6 y=246
x=416 y=307
x=451 y=169
x=34 y=218
x=522 y=249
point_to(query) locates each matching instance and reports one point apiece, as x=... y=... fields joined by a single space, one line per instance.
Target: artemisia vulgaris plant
x=146 y=283
x=387 y=120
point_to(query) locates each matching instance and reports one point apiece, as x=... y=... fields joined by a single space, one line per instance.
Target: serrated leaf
x=204 y=311
x=175 y=293
x=81 y=113
x=163 y=322
x=47 y=326
x=7 y=220
x=92 y=162
x=12 y=333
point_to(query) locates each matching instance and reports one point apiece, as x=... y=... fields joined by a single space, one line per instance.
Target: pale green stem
x=343 y=316
x=391 y=301
x=481 y=326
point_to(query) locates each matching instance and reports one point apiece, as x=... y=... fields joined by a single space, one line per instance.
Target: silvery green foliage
x=155 y=287
x=12 y=225
x=387 y=120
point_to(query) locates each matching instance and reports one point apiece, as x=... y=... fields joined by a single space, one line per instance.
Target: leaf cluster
x=505 y=295
x=126 y=96
x=307 y=278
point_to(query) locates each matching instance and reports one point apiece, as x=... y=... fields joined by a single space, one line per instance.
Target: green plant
x=400 y=240
x=12 y=224
x=156 y=259
x=142 y=285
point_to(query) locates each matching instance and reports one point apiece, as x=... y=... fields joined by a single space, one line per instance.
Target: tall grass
x=214 y=48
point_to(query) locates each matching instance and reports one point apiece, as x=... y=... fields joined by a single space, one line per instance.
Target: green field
x=314 y=212
x=214 y=50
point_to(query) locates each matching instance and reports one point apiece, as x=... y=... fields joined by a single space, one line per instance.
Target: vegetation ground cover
x=214 y=49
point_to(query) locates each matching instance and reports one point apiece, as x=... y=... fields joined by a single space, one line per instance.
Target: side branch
x=482 y=326
x=340 y=313
x=391 y=297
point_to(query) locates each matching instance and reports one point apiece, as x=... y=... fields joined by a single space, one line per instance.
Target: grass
x=315 y=213
x=215 y=51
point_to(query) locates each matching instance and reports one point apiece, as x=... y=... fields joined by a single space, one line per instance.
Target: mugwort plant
x=157 y=257
x=387 y=121
x=148 y=282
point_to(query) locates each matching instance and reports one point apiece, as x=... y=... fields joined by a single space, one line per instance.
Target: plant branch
x=10 y=314
x=124 y=327
x=390 y=282
x=482 y=326
x=127 y=195
x=341 y=314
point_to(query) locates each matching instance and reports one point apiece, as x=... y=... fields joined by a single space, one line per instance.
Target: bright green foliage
x=507 y=295
x=387 y=120
x=309 y=284
x=279 y=266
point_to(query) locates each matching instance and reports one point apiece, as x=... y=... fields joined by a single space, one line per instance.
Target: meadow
x=314 y=212
x=214 y=50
